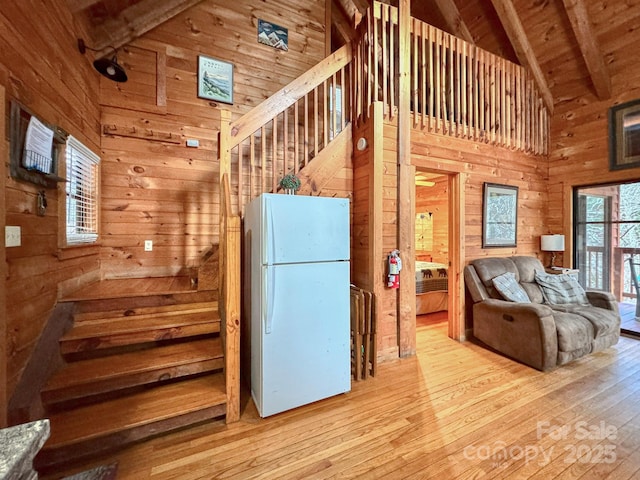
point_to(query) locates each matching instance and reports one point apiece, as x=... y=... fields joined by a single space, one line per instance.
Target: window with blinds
x=82 y=193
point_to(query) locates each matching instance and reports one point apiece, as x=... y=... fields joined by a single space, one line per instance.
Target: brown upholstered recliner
x=537 y=334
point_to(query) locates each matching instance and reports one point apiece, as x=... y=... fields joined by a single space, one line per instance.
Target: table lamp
x=553 y=244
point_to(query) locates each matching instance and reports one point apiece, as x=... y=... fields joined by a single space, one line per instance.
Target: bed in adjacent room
x=432 y=283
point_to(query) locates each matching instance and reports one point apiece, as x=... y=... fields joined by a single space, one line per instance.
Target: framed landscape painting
x=499 y=215
x=624 y=135
x=215 y=79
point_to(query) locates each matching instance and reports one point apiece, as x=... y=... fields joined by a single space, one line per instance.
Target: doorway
x=437 y=254
x=607 y=244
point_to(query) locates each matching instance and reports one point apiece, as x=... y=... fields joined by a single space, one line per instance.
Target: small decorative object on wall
x=290 y=183
x=273 y=35
x=624 y=135
x=499 y=216
x=215 y=79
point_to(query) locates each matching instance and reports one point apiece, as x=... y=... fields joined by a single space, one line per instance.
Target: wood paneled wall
x=580 y=133
x=41 y=68
x=155 y=188
x=436 y=200
x=479 y=163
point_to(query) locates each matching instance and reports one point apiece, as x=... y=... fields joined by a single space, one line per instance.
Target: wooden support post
x=4 y=396
x=375 y=227
x=406 y=190
x=224 y=152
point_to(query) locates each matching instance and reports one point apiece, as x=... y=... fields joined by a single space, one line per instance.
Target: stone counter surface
x=18 y=446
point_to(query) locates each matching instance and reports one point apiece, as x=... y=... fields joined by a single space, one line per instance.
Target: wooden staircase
x=133 y=372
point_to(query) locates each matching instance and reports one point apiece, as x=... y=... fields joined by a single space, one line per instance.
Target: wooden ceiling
x=563 y=42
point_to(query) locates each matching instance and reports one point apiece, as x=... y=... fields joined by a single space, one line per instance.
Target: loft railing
x=229 y=299
x=286 y=131
x=457 y=89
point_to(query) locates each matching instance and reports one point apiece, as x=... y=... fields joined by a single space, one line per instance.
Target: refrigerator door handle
x=268 y=298
x=268 y=256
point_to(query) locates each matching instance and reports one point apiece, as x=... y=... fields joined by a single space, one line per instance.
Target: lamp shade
x=552 y=243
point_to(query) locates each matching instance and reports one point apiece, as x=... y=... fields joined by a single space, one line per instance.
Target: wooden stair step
x=110 y=424
x=99 y=375
x=119 y=331
x=79 y=318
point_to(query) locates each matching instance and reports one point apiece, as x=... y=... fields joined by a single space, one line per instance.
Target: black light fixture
x=108 y=67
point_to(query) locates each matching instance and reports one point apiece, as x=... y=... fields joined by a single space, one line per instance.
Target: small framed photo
x=624 y=135
x=499 y=216
x=215 y=79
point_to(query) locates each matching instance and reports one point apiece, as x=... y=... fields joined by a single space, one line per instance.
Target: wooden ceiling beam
x=341 y=21
x=78 y=5
x=361 y=5
x=137 y=20
x=515 y=31
x=454 y=21
x=588 y=43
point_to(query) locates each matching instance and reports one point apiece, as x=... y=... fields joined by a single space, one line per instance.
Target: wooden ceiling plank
x=589 y=46
x=138 y=19
x=361 y=5
x=518 y=38
x=454 y=20
x=79 y=5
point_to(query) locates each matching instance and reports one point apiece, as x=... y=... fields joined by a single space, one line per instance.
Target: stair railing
x=286 y=131
x=457 y=89
x=229 y=299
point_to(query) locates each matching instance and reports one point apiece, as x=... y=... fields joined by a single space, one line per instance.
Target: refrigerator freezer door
x=306 y=354
x=300 y=229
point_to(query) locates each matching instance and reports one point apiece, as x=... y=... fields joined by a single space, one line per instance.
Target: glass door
x=607 y=241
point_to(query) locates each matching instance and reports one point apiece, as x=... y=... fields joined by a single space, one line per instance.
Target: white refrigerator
x=297 y=259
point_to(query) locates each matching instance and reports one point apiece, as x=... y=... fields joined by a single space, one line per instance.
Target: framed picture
x=624 y=135
x=273 y=35
x=499 y=216
x=215 y=79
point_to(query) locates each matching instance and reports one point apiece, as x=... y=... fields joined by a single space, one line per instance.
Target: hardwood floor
x=453 y=411
x=628 y=315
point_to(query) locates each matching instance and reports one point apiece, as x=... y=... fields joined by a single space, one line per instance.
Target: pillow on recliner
x=510 y=289
x=561 y=289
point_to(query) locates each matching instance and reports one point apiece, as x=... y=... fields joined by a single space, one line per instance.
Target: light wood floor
x=454 y=411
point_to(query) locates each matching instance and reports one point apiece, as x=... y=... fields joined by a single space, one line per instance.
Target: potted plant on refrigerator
x=290 y=183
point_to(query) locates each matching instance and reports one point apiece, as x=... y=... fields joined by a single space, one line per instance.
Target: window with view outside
x=81 y=193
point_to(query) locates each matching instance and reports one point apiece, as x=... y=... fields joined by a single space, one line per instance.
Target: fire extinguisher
x=394 y=264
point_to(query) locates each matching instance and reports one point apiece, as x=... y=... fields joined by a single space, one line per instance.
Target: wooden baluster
x=438 y=75
x=432 y=86
x=274 y=155
x=252 y=159
x=473 y=93
x=296 y=138
x=492 y=105
x=456 y=77
x=482 y=72
x=415 y=55
x=385 y=51
x=334 y=107
x=343 y=101
x=392 y=69
x=263 y=159
x=325 y=115
x=424 y=84
x=316 y=120
x=508 y=92
x=306 y=119
x=450 y=41
x=285 y=142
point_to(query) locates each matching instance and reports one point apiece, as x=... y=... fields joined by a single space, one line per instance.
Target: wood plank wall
x=41 y=68
x=579 y=134
x=479 y=163
x=436 y=200
x=155 y=188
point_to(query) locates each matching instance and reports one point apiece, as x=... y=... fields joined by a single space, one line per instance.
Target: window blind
x=82 y=193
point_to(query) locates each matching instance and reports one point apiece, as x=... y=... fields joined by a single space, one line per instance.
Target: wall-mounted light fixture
x=108 y=67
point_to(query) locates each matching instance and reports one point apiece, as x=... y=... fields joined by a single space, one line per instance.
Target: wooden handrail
x=288 y=95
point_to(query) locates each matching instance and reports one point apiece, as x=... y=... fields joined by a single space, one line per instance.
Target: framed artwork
x=499 y=215
x=215 y=79
x=273 y=35
x=624 y=135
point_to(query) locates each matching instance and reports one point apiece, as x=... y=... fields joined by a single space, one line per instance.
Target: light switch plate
x=148 y=245
x=12 y=236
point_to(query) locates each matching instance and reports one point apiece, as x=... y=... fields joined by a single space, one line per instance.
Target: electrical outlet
x=148 y=245
x=12 y=236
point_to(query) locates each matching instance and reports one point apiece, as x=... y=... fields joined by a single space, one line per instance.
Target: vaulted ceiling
x=573 y=47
